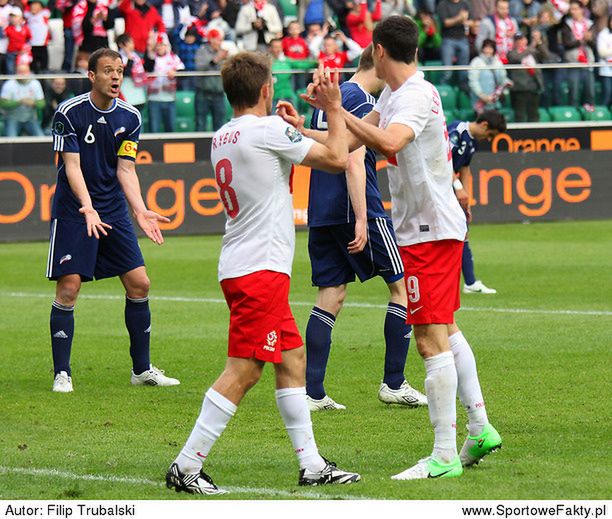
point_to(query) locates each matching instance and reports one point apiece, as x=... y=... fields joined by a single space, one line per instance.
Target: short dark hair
x=399 y=36
x=273 y=40
x=366 y=61
x=122 y=39
x=496 y=120
x=489 y=43
x=243 y=76
x=101 y=53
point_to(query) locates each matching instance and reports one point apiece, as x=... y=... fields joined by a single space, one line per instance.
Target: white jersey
x=421 y=174
x=252 y=158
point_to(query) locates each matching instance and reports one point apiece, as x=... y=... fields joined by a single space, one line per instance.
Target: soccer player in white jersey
x=407 y=125
x=252 y=156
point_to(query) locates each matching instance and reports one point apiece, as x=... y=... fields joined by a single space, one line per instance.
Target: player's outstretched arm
x=147 y=220
x=331 y=156
x=95 y=226
x=356 y=186
x=387 y=141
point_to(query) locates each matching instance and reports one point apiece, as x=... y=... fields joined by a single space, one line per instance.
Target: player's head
x=105 y=68
x=394 y=39
x=366 y=69
x=247 y=81
x=489 y=124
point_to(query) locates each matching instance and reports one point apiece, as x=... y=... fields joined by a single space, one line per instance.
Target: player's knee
x=67 y=291
x=140 y=287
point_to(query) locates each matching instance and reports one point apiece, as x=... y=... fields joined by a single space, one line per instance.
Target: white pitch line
x=212 y=300
x=142 y=481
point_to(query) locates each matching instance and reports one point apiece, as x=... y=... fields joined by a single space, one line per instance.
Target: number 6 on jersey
x=223 y=174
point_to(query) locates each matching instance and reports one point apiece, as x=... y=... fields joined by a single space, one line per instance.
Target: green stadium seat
x=185 y=104
x=544 y=115
x=290 y=9
x=185 y=124
x=463 y=100
x=448 y=96
x=564 y=113
x=450 y=116
x=466 y=114
x=433 y=76
x=601 y=113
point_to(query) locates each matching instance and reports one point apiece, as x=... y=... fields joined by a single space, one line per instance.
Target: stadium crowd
x=158 y=38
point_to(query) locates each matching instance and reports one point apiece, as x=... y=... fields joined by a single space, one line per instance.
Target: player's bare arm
x=356 y=186
x=290 y=115
x=146 y=219
x=95 y=226
x=461 y=193
x=386 y=141
x=331 y=156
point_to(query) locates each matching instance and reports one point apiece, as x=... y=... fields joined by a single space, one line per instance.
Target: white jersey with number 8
x=252 y=159
x=425 y=207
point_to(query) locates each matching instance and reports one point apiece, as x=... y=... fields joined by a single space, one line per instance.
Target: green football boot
x=477 y=447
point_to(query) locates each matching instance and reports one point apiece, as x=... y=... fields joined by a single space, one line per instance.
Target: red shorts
x=432 y=271
x=261 y=323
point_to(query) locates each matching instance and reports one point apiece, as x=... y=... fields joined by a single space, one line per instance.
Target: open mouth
x=115 y=88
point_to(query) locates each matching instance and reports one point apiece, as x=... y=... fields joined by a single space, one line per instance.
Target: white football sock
x=215 y=414
x=293 y=408
x=468 y=387
x=441 y=388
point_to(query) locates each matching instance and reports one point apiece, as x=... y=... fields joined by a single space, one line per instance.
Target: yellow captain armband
x=128 y=149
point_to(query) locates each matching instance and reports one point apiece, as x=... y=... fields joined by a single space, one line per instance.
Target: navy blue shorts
x=332 y=265
x=71 y=251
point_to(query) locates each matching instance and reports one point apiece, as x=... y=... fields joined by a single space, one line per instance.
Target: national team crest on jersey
x=293 y=134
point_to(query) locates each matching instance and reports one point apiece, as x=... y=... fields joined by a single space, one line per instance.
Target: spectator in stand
x=360 y=22
x=329 y=53
x=482 y=8
x=81 y=85
x=528 y=83
x=430 y=39
x=258 y=23
x=486 y=83
x=526 y=12
x=314 y=30
x=500 y=28
x=577 y=39
x=217 y=21
x=173 y=14
x=229 y=12
x=604 y=49
x=396 y=7
x=19 y=36
x=21 y=99
x=162 y=88
x=210 y=97
x=553 y=77
x=454 y=17
x=135 y=78
x=66 y=7
x=294 y=46
x=313 y=12
x=55 y=93
x=5 y=9
x=90 y=25
x=187 y=48
x=38 y=22
x=140 y=19
x=472 y=37
x=283 y=84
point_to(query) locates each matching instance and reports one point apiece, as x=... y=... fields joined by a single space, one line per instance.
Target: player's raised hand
x=328 y=91
x=148 y=222
x=361 y=237
x=95 y=226
x=289 y=114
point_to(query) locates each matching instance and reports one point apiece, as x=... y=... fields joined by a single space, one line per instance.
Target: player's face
x=107 y=78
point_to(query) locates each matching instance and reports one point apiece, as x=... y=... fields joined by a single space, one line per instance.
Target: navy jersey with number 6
x=329 y=202
x=100 y=137
x=463 y=145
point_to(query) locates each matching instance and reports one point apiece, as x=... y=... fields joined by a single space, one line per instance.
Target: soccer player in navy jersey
x=96 y=137
x=464 y=137
x=350 y=235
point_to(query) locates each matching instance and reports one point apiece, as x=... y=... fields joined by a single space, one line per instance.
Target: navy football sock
x=62 y=331
x=397 y=339
x=467 y=264
x=318 y=344
x=138 y=323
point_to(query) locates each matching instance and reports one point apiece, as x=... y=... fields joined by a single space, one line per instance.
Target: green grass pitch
x=542 y=345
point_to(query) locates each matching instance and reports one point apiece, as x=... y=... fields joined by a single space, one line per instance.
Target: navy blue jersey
x=463 y=145
x=329 y=202
x=100 y=137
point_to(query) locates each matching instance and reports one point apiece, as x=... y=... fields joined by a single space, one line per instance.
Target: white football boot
x=325 y=404
x=62 y=383
x=478 y=287
x=405 y=395
x=153 y=377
